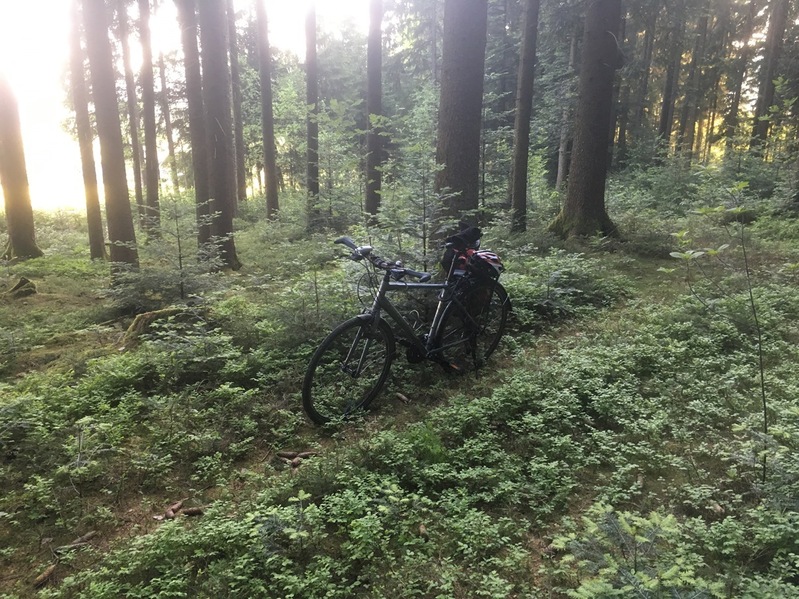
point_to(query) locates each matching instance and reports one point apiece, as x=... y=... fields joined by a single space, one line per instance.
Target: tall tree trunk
x=623 y=126
x=312 y=128
x=566 y=122
x=77 y=72
x=460 y=108
x=435 y=71
x=504 y=32
x=152 y=174
x=583 y=211
x=670 y=86
x=737 y=77
x=197 y=129
x=170 y=137
x=133 y=109
x=374 y=109
x=765 y=95
x=642 y=89
x=219 y=126
x=524 y=109
x=614 y=100
x=692 y=96
x=112 y=154
x=710 y=88
x=238 y=124
x=14 y=179
x=267 y=114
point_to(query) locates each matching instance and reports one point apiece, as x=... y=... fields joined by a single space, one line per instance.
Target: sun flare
x=34 y=46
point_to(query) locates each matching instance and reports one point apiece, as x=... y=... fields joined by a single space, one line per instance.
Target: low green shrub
x=623 y=554
x=558 y=286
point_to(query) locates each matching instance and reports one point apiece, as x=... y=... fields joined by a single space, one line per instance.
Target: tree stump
x=23 y=288
x=143 y=321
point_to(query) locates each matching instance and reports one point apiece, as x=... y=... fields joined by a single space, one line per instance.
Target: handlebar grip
x=422 y=276
x=347 y=241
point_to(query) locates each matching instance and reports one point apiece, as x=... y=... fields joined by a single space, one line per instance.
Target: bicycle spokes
x=347 y=370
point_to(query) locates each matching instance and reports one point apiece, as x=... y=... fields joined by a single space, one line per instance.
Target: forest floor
x=226 y=406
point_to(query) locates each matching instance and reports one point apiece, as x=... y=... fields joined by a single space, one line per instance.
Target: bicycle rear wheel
x=348 y=370
x=472 y=325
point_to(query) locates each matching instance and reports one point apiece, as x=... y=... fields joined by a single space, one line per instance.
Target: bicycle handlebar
x=359 y=253
x=347 y=241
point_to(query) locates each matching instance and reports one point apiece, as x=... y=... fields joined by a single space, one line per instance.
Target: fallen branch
x=81 y=541
x=42 y=578
x=171 y=511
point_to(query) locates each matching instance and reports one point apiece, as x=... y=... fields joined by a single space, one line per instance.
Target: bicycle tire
x=472 y=325
x=347 y=370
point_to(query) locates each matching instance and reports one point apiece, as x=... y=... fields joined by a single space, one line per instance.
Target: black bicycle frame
x=381 y=302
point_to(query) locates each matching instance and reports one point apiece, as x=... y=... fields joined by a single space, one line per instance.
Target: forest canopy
x=699 y=84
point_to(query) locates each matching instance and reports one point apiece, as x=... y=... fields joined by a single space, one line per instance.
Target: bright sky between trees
x=34 y=52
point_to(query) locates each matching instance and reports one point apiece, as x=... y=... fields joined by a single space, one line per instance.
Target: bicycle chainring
x=412 y=353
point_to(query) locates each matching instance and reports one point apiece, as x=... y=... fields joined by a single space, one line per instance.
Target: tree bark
x=737 y=77
x=312 y=128
x=583 y=211
x=692 y=96
x=524 y=109
x=666 y=124
x=765 y=95
x=170 y=137
x=197 y=130
x=566 y=122
x=238 y=125
x=374 y=109
x=152 y=174
x=219 y=127
x=133 y=109
x=112 y=154
x=435 y=69
x=614 y=99
x=94 y=219
x=642 y=89
x=14 y=179
x=623 y=126
x=267 y=114
x=460 y=109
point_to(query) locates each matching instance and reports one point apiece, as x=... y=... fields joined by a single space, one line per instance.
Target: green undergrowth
x=614 y=446
x=646 y=431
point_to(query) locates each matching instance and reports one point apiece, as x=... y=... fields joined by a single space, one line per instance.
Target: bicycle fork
x=345 y=365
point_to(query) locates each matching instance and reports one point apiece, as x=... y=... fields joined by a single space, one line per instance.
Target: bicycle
x=351 y=365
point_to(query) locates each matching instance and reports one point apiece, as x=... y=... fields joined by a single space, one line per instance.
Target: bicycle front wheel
x=348 y=370
x=472 y=325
